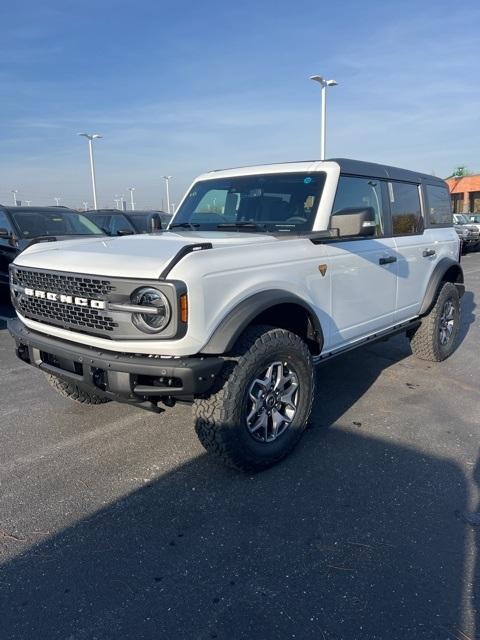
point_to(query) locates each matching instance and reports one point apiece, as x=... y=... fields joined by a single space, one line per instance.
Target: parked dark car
x=468 y=231
x=21 y=226
x=122 y=223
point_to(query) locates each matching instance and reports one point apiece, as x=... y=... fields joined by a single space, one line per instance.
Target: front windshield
x=33 y=224
x=282 y=203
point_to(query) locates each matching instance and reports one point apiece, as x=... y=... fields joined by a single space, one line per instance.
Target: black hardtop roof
x=364 y=168
x=374 y=170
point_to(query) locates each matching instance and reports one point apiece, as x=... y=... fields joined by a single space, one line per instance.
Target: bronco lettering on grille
x=66 y=299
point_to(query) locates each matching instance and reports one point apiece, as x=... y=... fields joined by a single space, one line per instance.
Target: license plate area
x=65 y=364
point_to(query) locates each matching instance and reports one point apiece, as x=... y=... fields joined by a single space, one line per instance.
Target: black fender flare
x=437 y=277
x=238 y=319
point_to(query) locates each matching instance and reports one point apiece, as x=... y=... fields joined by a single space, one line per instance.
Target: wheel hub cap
x=272 y=402
x=447 y=320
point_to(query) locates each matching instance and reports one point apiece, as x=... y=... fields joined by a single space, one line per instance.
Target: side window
x=439 y=206
x=358 y=193
x=119 y=223
x=5 y=223
x=100 y=220
x=406 y=209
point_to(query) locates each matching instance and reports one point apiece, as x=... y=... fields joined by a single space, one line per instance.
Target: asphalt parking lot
x=115 y=524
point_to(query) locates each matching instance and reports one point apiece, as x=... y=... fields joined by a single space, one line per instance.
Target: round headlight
x=151 y=322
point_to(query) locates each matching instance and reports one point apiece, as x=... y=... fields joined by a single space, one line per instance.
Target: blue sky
x=183 y=87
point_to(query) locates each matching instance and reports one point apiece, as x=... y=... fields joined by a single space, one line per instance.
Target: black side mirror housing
x=5 y=234
x=154 y=223
x=354 y=222
x=124 y=232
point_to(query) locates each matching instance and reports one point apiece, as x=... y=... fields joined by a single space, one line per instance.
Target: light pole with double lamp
x=167 y=185
x=323 y=130
x=91 y=137
x=132 y=204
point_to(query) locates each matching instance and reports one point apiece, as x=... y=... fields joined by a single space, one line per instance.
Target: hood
x=136 y=256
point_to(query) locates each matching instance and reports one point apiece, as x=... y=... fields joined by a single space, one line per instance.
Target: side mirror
x=124 y=232
x=154 y=223
x=5 y=234
x=354 y=222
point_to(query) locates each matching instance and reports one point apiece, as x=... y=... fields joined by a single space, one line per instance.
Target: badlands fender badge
x=323 y=269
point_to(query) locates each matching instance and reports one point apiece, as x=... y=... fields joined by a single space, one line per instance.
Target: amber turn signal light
x=184 y=308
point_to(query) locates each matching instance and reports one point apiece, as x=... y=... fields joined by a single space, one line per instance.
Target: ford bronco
x=263 y=272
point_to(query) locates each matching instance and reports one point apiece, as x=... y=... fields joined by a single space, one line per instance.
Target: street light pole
x=28 y=202
x=132 y=204
x=91 y=138
x=85 y=205
x=57 y=200
x=323 y=129
x=167 y=184
x=14 y=191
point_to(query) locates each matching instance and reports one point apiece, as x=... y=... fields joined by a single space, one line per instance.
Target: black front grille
x=59 y=313
x=69 y=316
x=74 y=285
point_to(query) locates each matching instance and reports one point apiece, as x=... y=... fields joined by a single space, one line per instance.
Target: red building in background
x=465 y=192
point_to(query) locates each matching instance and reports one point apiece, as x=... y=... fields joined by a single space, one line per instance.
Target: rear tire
x=435 y=339
x=72 y=392
x=262 y=402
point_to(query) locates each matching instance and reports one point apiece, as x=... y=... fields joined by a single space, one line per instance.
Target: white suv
x=263 y=272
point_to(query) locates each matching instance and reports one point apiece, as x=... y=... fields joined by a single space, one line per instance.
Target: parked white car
x=263 y=272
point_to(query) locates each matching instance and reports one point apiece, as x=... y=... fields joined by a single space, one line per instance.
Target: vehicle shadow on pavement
x=352 y=537
x=475 y=524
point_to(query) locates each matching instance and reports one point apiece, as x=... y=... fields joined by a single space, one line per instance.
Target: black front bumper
x=118 y=376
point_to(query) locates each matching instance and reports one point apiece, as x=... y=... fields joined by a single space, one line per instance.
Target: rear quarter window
x=439 y=206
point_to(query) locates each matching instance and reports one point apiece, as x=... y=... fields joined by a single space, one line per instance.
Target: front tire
x=435 y=339
x=263 y=402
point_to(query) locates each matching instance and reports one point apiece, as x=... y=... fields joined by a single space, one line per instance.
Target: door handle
x=429 y=252
x=387 y=260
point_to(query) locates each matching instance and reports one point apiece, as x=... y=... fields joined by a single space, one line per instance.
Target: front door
x=363 y=272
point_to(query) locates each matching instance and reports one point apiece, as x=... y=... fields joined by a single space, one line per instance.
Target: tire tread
x=424 y=342
x=73 y=392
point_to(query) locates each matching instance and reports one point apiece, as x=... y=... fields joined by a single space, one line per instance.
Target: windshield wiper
x=241 y=225
x=184 y=225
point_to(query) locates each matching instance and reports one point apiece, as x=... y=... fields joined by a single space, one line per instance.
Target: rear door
x=416 y=250
x=364 y=270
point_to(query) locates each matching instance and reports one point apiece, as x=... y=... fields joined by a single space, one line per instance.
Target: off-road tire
x=71 y=391
x=220 y=418
x=425 y=341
